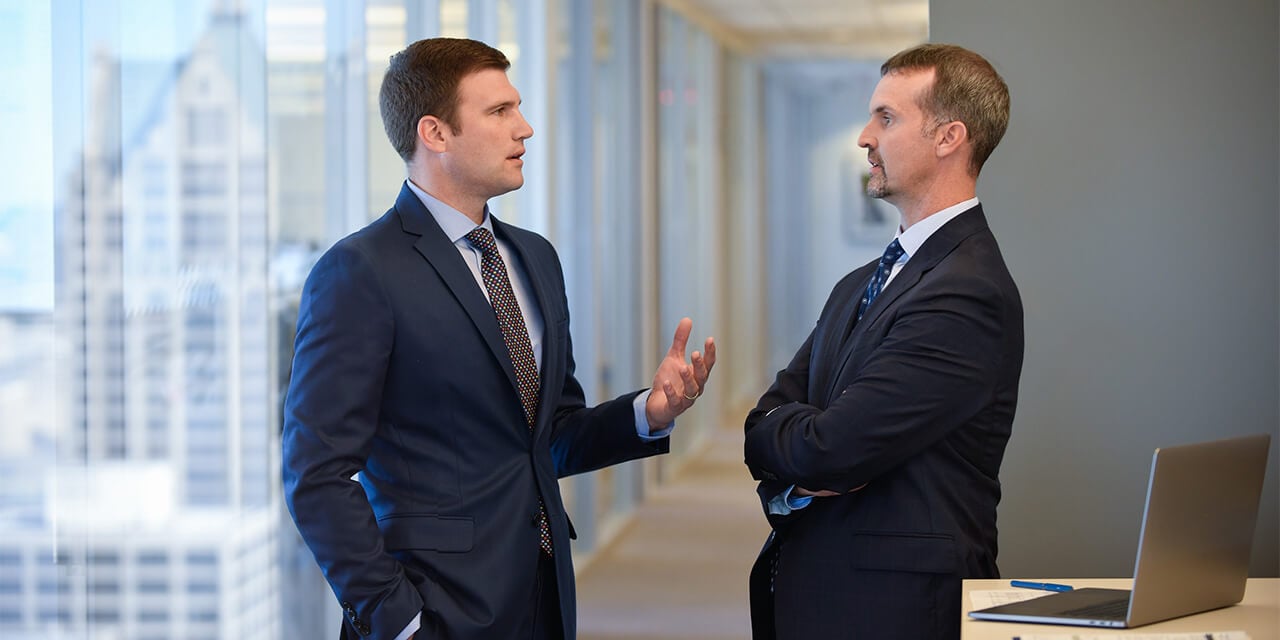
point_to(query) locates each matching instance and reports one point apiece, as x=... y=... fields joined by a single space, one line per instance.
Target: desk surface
x=1258 y=614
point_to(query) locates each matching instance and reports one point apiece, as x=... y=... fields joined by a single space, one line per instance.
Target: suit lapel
x=938 y=246
x=834 y=338
x=443 y=256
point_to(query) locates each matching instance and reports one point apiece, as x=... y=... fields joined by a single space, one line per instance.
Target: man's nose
x=865 y=141
x=525 y=130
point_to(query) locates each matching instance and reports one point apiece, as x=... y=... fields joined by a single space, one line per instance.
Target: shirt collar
x=453 y=222
x=914 y=238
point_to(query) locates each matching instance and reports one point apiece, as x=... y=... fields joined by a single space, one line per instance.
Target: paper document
x=981 y=599
x=1203 y=635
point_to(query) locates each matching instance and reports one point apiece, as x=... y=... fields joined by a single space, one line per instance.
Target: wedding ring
x=692 y=397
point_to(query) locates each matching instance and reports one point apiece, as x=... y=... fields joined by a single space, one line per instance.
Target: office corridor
x=679 y=570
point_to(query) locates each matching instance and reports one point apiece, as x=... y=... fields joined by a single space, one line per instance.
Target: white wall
x=1135 y=198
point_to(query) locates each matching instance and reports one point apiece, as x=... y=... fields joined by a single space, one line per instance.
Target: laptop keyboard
x=1110 y=610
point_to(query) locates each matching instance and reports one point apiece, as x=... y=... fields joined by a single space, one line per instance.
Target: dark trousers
x=544 y=616
x=542 y=619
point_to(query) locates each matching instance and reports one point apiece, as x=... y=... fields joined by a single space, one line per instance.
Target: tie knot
x=481 y=239
x=892 y=253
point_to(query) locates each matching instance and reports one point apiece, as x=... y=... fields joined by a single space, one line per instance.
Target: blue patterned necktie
x=516 y=335
x=890 y=257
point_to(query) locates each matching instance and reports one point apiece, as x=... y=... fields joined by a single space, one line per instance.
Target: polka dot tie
x=890 y=257
x=516 y=335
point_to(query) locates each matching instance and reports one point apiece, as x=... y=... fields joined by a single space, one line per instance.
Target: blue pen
x=1043 y=586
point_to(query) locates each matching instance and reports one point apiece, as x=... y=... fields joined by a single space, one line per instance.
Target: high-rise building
x=153 y=514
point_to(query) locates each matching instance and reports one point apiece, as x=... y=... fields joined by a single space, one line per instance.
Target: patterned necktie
x=890 y=257
x=516 y=335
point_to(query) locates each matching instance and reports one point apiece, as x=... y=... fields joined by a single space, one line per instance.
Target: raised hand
x=677 y=383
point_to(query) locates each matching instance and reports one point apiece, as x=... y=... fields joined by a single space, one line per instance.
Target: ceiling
x=865 y=29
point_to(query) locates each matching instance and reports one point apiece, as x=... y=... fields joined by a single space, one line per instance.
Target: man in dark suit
x=878 y=448
x=433 y=359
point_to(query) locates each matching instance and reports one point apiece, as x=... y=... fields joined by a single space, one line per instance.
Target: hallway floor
x=679 y=570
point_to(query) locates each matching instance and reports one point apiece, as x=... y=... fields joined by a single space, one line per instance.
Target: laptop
x=1193 y=550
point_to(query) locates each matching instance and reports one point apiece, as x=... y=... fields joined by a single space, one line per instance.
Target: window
x=146 y=616
x=206 y=127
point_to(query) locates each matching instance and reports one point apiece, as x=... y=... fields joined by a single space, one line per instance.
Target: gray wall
x=1135 y=197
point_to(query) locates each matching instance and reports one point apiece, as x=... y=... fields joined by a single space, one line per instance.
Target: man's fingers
x=702 y=363
x=673 y=396
x=681 y=340
x=691 y=388
x=819 y=493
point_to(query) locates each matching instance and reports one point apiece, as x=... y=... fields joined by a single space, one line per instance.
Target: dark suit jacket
x=915 y=401
x=400 y=373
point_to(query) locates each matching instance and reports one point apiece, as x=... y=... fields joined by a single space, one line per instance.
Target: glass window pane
x=385 y=35
x=161 y=333
x=453 y=18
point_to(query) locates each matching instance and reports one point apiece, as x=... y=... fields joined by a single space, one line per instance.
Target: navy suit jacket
x=400 y=374
x=916 y=402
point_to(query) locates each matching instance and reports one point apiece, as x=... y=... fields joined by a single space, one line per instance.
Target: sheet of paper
x=1203 y=635
x=981 y=599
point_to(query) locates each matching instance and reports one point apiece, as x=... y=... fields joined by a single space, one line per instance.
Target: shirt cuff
x=642 y=422
x=414 y=625
x=784 y=503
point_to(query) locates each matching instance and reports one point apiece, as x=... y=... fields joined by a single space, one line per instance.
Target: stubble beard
x=878 y=186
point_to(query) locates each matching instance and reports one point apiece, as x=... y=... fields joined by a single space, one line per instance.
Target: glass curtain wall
x=595 y=222
x=690 y=202
x=151 y=513
x=29 y=579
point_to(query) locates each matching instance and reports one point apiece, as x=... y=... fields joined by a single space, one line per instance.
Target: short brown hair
x=965 y=88
x=423 y=79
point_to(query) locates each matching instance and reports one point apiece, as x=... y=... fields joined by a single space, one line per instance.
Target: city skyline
x=145 y=500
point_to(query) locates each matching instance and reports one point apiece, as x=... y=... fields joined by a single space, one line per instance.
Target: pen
x=1043 y=586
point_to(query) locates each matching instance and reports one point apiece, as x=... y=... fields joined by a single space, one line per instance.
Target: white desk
x=1258 y=614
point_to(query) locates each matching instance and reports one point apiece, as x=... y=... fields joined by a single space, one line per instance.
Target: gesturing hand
x=677 y=384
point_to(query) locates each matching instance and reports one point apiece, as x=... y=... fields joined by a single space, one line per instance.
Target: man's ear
x=432 y=134
x=950 y=137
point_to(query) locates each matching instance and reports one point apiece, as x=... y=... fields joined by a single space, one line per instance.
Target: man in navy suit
x=878 y=448
x=433 y=359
